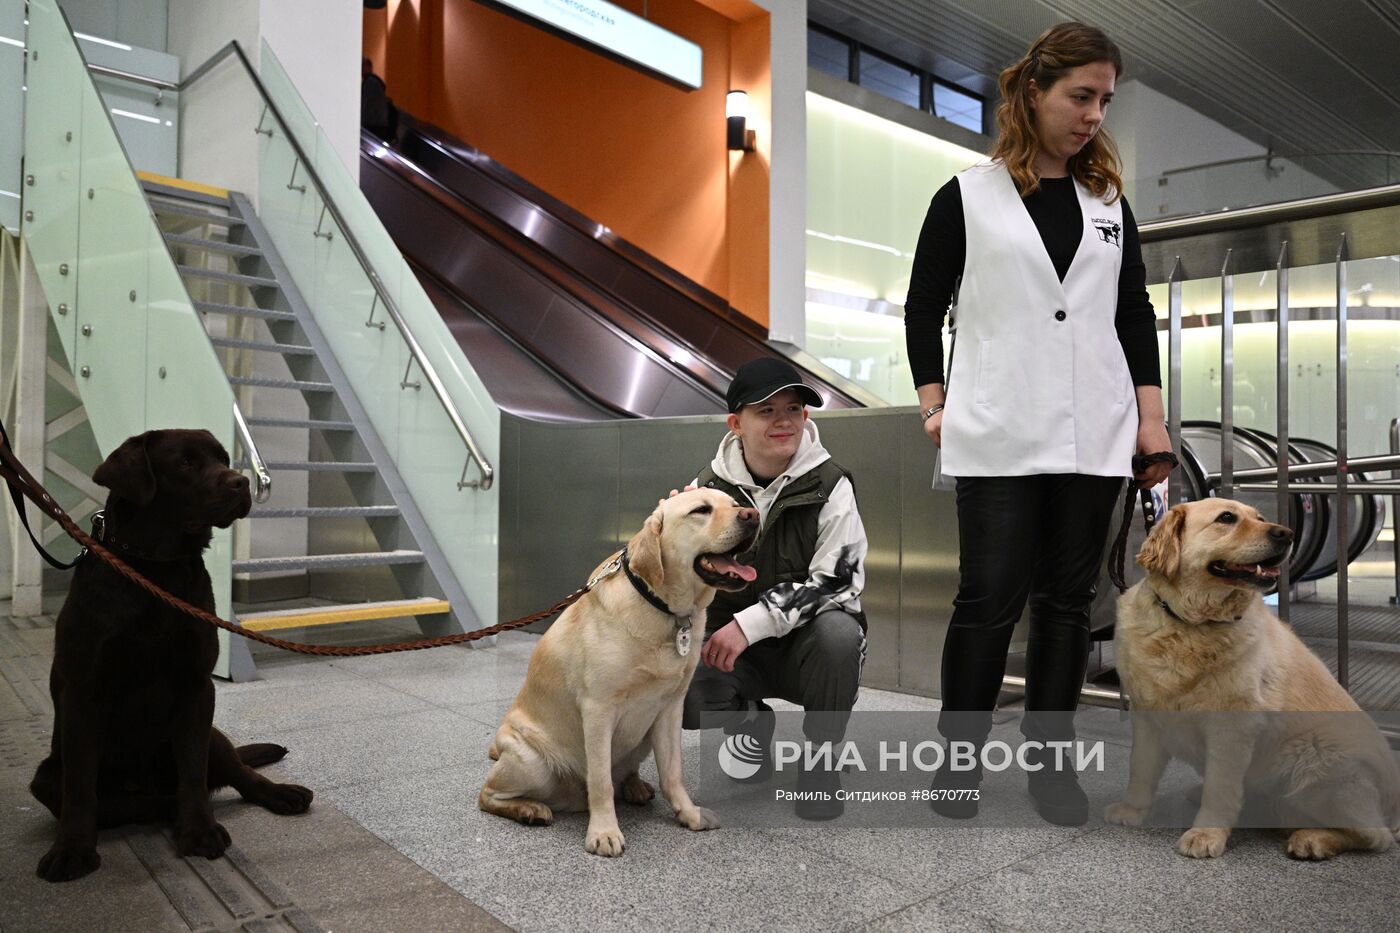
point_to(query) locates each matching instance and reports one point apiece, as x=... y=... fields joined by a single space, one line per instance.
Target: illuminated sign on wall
x=615 y=32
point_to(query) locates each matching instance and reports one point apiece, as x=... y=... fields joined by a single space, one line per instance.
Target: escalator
x=589 y=326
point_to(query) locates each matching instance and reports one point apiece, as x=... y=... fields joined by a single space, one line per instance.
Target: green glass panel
x=138 y=350
x=411 y=422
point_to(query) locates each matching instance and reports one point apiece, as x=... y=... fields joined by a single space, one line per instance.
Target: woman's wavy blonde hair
x=1058 y=50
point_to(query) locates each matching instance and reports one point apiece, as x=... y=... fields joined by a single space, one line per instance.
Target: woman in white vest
x=1053 y=385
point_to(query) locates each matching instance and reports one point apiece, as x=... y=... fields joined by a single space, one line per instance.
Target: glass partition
x=139 y=354
x=869 y=183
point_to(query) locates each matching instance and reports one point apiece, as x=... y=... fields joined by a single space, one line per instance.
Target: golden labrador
x=1217 y=680
x=606 y=681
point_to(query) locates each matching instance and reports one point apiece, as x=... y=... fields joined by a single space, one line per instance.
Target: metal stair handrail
x=390 y=306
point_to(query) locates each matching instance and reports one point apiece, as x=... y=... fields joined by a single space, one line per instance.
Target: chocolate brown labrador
x=133 y=736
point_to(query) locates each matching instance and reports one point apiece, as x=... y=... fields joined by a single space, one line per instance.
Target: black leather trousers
x=1039 y=537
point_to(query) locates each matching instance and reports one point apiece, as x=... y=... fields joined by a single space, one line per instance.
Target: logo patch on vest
x=1110 y=231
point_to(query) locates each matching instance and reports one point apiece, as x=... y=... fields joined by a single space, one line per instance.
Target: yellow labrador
x=606 y=681
x=1205 y=664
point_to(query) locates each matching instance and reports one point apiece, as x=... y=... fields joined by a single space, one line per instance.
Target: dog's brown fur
x=133 y=737
x=605 y=684
x=1226 y=654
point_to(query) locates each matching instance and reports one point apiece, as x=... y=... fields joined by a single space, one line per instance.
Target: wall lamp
x=736 y=112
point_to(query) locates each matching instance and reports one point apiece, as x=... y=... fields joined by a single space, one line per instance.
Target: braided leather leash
x=21 y=482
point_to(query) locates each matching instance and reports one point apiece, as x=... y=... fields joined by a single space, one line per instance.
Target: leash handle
x=1117 y=557
x=18 y=479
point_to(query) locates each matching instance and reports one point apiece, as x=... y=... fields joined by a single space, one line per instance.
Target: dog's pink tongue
x=729 y=565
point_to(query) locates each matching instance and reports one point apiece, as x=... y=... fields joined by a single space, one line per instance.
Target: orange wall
x=641 y=156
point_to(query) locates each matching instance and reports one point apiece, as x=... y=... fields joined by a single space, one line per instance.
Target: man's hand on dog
x=724 y=647
x=675 y=492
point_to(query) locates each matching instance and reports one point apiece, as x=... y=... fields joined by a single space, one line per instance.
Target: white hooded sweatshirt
x=840 y=540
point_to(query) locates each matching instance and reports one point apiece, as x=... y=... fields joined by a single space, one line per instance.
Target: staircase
x=339 y=535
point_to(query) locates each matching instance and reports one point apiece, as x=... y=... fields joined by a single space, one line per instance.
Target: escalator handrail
x=488 y=472
x=473 y=159
x=610 y=314
x=464 y=153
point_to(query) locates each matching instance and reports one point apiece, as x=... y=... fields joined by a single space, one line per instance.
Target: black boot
x=750 y=742
x=1056 y=793
x=955 y=793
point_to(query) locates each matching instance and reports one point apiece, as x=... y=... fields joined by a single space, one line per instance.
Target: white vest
x=1038 y=382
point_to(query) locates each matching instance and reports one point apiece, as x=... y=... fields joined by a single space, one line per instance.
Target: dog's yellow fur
x=605 y=684
x=1225 y=661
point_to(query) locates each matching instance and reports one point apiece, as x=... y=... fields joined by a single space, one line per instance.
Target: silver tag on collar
x=683 y=641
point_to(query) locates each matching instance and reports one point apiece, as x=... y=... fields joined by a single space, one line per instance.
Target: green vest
x=785 y=545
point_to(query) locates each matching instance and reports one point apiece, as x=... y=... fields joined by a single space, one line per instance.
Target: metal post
x=1227 y=379
x=27 y=435
x=1281 y=421
x=1340 y=509
x=1395 y=510
x=1176 y=488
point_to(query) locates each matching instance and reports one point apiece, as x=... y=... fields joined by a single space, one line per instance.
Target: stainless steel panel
x=572 y=493
x=863 y=445
x=564 y=511
x=928 y=547
x=1255 y=236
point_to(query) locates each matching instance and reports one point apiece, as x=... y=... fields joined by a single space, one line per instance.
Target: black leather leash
x=1117 y=557
x=16 y=478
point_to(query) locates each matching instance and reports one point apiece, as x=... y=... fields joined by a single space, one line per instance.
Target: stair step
x=313 y=511
x=326 y=561
x=161 y=206
x=313 y=466
x=330 y=615
x=235 y=278
x=300 y=386
x=217 y=246
x=286 y=349
x=214 y=307
x=305 y=423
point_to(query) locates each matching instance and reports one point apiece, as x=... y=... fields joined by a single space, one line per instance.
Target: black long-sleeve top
x=1054 y=206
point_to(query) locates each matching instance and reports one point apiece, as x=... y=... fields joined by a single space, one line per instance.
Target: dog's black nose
x=748 y=516
x=1280 y=534
x=236 y=481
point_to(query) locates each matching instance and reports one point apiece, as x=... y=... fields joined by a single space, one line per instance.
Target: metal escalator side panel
x=553 y=326
x=700 y=320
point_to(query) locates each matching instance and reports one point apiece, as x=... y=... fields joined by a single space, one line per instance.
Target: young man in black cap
x=797 y=632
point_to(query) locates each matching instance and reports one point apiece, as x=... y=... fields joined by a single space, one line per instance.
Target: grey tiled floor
x=398 y=743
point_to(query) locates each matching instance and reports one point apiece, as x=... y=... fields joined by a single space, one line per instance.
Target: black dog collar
x=1166 y=607
x=109 y=538
x=640 y=586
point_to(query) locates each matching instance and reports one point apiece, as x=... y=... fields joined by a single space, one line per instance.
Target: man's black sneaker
x=822 y=787
x=954 y=794
x=748 y=746
x=1057 y=796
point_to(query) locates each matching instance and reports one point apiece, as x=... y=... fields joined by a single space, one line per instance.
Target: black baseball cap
x=762 y=378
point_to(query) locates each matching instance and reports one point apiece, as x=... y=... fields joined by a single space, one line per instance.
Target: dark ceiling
x=1299 y=76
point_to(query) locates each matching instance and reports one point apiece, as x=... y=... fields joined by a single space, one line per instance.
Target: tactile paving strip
x=226 y=895
x=218 y=895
